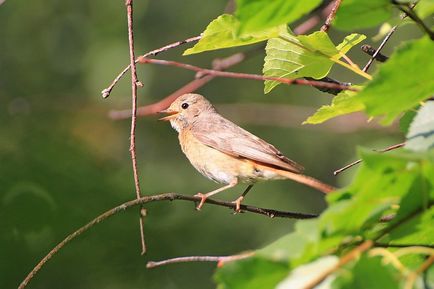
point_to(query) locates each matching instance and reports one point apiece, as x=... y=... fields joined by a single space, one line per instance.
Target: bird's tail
x=303 y=179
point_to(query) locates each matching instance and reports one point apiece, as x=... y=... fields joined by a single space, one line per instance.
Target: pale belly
x=221 y=167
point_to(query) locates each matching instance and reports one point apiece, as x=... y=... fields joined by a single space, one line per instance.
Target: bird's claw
x=237 y=203
x=202 y=200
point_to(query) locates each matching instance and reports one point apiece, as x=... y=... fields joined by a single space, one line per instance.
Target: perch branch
x=156 y=198
x=106 y=92
x=331 y=16
x=219 y=259
x=134 y=83
x=393 y=147
x=237 y=75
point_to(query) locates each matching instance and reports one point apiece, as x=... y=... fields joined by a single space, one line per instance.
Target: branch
x=217 y=73
x=383 y=43
x=387 y=245
x=368 y=49
x=106 y=92
x=218 y=64
x=134 y=82
x=353 y=254
x=157 y=198
x=331 y=16
x=219 y=259
x=393 y=147
x=407 y=9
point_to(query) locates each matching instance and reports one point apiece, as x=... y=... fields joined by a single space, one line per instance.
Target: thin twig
x=386 y=38
x=393 y=147
x=237 y=75
x=411 y=279
x=218 y=64
x=368 y=49
x=387 y=245
x=218 y=259
x=331 y=16
x=353 y=254
x=383 y=43
x=407 y=9
x=155 y=198
x=142 y=212
x=106 y=92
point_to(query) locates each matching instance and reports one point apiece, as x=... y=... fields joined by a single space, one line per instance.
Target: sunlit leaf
x=421 y=133
x=360 y=275
x=312 y=55
x=222 y=33
x=357 y=14
x=344 y=103
x=402 y=82
x=256 y=15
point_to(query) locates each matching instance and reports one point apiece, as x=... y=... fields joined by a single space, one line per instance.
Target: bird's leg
x=238 y=201
x=203 y=197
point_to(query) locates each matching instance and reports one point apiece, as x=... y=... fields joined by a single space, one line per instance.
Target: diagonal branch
x=219 y=259
x=331 y=16
x=393 y=147
x=157 y=198
x=217 y=73
x=106 y=92
x=134 y=82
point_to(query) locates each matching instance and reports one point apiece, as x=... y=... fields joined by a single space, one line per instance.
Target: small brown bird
x=225 y=153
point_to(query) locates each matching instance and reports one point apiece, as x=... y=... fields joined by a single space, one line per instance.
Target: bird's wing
x=225 y=136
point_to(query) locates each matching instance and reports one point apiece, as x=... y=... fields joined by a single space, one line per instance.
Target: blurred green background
x=63 y=161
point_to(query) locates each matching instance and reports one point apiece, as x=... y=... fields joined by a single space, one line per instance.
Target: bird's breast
x=214 y=164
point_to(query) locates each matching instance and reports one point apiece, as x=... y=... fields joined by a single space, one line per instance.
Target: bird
x=226 y=153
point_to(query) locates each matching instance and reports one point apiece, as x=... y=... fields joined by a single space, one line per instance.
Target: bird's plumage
x=223 y=135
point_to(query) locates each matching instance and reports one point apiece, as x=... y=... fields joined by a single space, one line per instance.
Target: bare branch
x=156 y=198
x=106 y=92
x=331 y=16
x=219 y=259
x=134 y=82
x=393 y=147
x=218 y=64
x=217 y=73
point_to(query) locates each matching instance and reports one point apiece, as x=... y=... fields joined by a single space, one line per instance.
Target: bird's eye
x=184 y=105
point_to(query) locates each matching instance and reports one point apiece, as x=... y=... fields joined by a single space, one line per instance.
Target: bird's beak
x=171 y=114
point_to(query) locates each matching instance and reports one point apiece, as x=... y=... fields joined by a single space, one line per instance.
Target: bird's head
x=186 y=109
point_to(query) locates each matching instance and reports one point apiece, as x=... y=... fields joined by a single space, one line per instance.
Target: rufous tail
x=303 y=179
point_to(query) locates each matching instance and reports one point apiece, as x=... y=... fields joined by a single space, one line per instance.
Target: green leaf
x=421 y=133
x=257 y=15
x=303 y=275
x=305 y=55
x=358 y=14
x=252 y=273
x=222 y=33
x=350 y=41
x=402 y=82
x=424 y=8
x=405 y=121
x=344 y=103
x=369 y=273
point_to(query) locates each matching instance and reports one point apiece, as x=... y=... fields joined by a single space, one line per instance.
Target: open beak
x=171 y=114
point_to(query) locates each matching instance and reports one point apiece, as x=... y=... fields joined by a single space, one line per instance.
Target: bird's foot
x=203 y=198
x=237 y=203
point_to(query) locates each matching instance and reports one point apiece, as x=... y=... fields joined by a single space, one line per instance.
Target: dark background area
x=63 y=161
